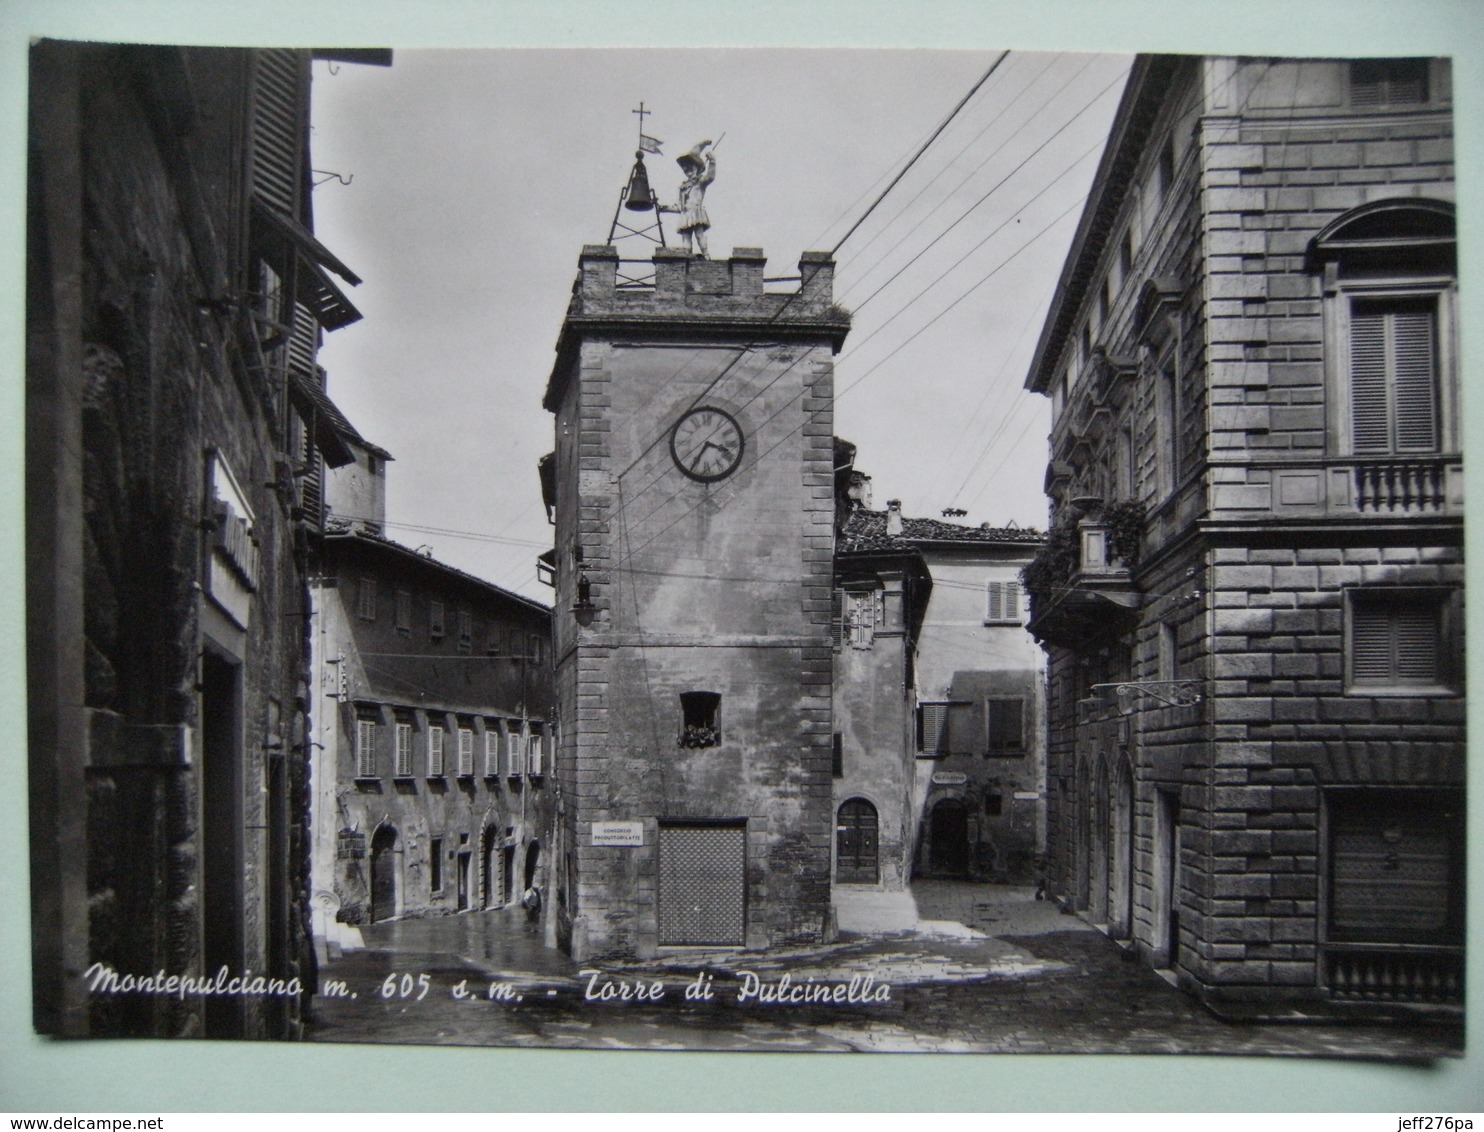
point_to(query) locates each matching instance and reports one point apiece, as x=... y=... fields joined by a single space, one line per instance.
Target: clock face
x=707 y=444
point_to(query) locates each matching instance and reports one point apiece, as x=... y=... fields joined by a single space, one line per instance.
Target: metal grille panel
x=702 y=885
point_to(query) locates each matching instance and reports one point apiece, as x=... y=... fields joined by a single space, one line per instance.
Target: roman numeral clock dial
x=707 y=444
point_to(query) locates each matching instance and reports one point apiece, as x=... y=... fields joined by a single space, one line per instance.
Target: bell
x=637 y=197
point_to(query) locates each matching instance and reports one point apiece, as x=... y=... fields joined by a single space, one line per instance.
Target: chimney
x=894 y=518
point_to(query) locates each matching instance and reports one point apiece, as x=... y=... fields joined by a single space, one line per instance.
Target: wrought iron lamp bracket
x=1171 y=693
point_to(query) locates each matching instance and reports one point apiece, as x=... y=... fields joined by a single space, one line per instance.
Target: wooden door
x=856 y=843
x=384 y=874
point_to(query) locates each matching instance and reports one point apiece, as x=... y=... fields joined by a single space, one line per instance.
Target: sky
x=475 y=177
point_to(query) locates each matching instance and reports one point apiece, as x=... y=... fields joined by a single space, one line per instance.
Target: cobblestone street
x=987 y=970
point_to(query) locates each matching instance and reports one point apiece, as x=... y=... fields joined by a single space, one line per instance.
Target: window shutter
x=1416 y=385
x=1004 y=602
x=404 y=750
x=512 y=753
x=435 y=752
x=1368 y=415
x=1395 y=642
x=491 y=751
x=466 y=752
x=933 y=724
x=278 y=135
x=1416 y=637
x=837 y=617
x=533 y=751
x=1370 y=645
x=365 y=748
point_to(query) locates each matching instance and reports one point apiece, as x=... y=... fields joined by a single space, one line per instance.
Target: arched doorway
x=856 y=841
x=489 y=856
x=948 y=839
x=383 y=874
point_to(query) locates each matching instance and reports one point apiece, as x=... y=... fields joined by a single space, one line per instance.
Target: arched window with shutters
x=1388 y=272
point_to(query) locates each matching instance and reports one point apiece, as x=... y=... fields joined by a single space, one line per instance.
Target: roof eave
x=1148 y=83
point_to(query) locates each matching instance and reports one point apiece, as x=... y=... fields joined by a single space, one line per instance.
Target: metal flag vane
x=637 y=197
x=647 y=143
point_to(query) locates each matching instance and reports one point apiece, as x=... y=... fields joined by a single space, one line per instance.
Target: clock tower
x=692 y=485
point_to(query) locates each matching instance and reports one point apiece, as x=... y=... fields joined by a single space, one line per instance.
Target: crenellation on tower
x=694 y=519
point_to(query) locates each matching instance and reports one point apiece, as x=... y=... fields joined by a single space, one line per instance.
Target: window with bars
x=837 y=756
x=1002 y=606
x=1005 y=726
x=366 y=599
x=466 y=752
x=365 y=748
x=404 y=611
x=436 y=736
x=403 y=764
x=1393 y=376
x=435 y=620
x=1398 y=639
x=1377 y=83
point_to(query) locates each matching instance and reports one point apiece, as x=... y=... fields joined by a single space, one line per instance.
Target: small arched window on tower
x=700 y=719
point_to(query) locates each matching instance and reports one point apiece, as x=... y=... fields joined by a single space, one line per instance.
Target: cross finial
x=643 y=113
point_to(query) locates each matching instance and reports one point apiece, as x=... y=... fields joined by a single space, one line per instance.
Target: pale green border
x=145 y=1076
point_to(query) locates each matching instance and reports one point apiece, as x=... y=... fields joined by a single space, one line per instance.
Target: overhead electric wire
x=931 y=138
x=995 y=271
x=993 y=385
x=479 y=536
x=906 y=305
x=1101 y=142
x=866 y=272
x=618 y=564
x=882 y=196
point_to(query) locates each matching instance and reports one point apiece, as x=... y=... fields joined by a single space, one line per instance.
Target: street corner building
x=939 y=755
x=176 y=299
x=694 y=502
x=433 y=728
x=1251 y=592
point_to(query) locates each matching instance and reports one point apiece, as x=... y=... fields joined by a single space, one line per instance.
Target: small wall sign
x=618 y=833
x=949 y=778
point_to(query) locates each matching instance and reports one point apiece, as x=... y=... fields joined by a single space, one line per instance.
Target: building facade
x=176 y=298
x=938 y=699
x=1251 y=593
x=882 y=589
x=694 y=507
x=434 y=738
